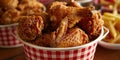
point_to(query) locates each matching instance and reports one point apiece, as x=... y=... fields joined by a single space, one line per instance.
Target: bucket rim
x=9 y=25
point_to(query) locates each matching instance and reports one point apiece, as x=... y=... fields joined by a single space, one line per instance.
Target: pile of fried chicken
x=12 y=10
x=67 y=25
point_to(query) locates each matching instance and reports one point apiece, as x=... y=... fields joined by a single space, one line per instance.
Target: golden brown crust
x=8 y=4
x=60 y=10
x=10 y=16
x=30 y=27
x=75 y=37
x=24 y=4
x=92 y=25
x=43 y=40
x=60 y=32
x=11 y=10
x=57 y=12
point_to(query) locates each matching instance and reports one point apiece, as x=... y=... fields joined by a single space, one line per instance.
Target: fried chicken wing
x=30 y=27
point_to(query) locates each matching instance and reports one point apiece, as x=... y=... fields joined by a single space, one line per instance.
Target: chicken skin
x=86 y=18
x=63 y=37
x=8 y=4
x=11 y=10
x=30 y=27
x=60 y=10
x=67 y=25
x=48 y=39
x=92 y=25
x=30 y=4
x=44 y=40
x=74 y=37
x=10 y=16
x=60 y=32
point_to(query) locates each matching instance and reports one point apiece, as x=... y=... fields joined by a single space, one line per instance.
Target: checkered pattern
x=86 y=53
x=6 y=37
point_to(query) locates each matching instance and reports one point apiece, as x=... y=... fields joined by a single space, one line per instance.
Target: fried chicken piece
x=77 y=14
x=60 y=32
x=33 y=7
x=74 y=37
x=24 y=4
x=38 y=12
x=32 y=11
x=56 y=13
x=59 y=10
x=8 y=4
x=62 y=29
x=30 y=27
x=48 y=39
x=92 y=25
x=43 y=40
x=10 y=16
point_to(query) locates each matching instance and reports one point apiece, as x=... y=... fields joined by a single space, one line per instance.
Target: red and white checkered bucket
x=84 y=52
x=7 y=40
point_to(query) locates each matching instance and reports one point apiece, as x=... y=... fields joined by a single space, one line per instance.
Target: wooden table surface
x=18 y=54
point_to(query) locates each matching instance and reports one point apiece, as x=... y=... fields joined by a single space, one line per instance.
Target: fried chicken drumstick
x=60 y=10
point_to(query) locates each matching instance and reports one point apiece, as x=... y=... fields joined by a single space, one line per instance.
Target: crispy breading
x=24 y=4
x=30 y=27
x=10 y=16
x=43 y=40
x=48 y=39
x=11 y=10
x=8 y=4
x=59 y=10
x=75 y=37
x=60 y=31
x=92 y=25
x=69 y=25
